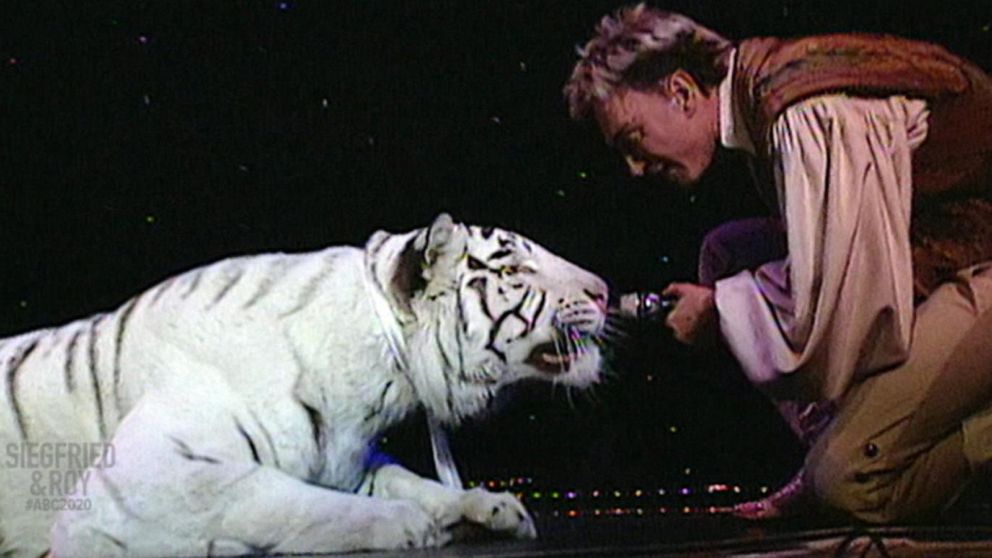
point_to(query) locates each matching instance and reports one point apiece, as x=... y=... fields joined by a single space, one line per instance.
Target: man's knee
x=842 y=477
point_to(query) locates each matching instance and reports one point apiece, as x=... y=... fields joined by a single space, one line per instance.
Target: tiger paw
x=500 y=512
x=402 y=524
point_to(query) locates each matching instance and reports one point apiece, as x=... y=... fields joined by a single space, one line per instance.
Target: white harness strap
x=444 y=462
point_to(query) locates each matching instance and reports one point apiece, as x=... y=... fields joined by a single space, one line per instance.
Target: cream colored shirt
x=840 y=306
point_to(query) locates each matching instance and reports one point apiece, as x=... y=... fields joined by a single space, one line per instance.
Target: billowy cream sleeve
x=840 y=306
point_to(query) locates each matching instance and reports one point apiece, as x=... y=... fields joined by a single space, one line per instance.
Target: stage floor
x=698 y=537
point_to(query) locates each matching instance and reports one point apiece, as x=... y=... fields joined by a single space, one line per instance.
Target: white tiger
x=239 y=401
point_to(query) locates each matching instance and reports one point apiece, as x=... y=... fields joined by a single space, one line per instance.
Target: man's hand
x=694 y=318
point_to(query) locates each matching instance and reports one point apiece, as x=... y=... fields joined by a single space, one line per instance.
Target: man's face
x=656 y=135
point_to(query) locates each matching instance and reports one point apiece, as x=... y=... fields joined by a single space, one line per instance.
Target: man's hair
x=636 y=48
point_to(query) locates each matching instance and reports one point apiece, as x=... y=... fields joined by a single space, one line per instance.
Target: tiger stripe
x=162 y=288
x=319 y=440
x=494 y=331
x=269 y=281
x=239 y=272
x=122 y=322
x=95 y=380
x=478 y=284
x=195 y=283
x=537 y=313
x=116 y=542
x=462 y=322
x=70 y=355
x=115 y=492
x=382 y=402
x=264 y=286
x=309 y=291
x=501 y=253
x=440 y=349
x=461 y=328
x=249 y=441
x=449 y=396
x=268 y=438
x=183 y=449
x=372 y=475
x=13 y=366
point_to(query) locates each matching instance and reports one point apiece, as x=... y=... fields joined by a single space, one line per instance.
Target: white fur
x=266 y=345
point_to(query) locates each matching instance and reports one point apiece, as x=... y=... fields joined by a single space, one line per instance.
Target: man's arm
x=842 y=302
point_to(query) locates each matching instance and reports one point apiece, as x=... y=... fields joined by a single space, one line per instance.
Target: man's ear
x=683 y=90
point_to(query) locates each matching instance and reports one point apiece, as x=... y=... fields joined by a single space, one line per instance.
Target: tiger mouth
x=551 y=358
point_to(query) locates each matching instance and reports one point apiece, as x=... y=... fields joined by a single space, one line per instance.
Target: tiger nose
x=600 y=296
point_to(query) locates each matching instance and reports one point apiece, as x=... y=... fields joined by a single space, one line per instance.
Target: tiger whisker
x=570 y=337
x=581 y=344
x=591 y=396
x=570 y=346
x=615 y=324
x=583 y=350
x=578 y=340
x=614 y=329
x=568 y=397
x=618 y=322
x=616 y=314
x=554 y=339
x=609 y=372
x=614 y=337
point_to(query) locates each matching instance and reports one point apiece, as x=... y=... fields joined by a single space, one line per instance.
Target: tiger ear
x=431 y=254
x=440 y=245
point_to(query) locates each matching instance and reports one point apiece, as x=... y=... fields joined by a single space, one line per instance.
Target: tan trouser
x=905 y=441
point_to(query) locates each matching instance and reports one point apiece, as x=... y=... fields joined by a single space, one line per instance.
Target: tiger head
x=482 y=308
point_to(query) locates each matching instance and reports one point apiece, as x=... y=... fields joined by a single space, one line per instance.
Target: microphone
x=644 y=305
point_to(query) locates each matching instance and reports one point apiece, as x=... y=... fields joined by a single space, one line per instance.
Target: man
x=873 y=338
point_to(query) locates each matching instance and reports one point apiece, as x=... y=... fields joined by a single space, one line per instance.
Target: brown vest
x=952 y=169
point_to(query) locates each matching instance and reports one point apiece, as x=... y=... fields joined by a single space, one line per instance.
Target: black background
x=140 y=139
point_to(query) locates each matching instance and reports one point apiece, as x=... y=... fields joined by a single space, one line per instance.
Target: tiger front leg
x=189 y=484
x=500 y=512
